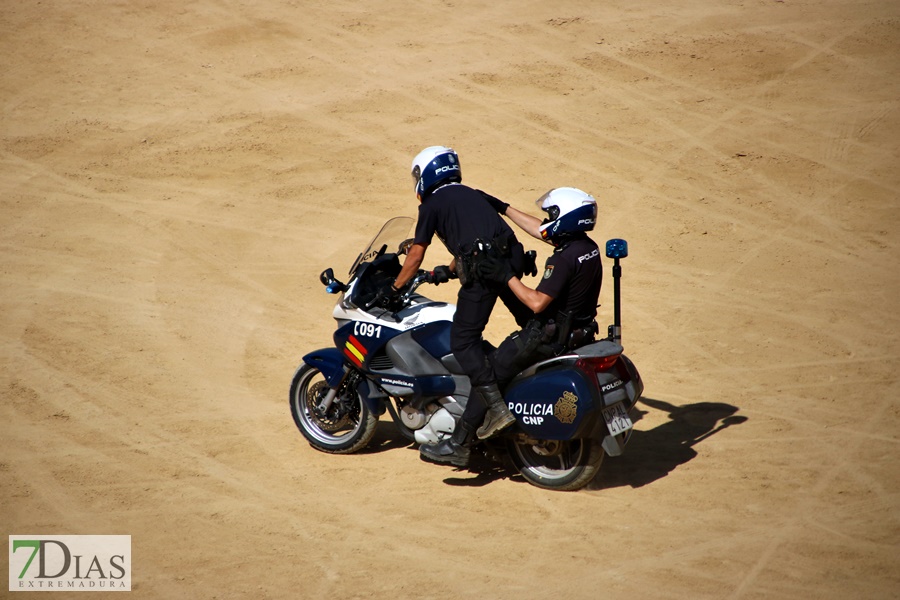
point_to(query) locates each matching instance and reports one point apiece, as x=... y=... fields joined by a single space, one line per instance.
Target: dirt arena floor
x=175 y=175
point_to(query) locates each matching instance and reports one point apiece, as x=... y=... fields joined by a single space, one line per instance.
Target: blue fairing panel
x=376 y=405
x=435 y=385
x=329 y=361
x=434 y=337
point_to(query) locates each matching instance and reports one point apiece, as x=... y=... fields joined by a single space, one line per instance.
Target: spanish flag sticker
x=355 y=351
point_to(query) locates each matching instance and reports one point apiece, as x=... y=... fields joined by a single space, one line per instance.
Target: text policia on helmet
x=434 y=166
x=569 y=211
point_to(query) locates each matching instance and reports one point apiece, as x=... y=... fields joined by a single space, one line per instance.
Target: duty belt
x=470 y=256
x=567 y=332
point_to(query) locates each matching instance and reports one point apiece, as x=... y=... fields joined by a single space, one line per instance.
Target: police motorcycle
x=394 y=355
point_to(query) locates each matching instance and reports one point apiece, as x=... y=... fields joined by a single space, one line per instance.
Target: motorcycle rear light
x=593 y=364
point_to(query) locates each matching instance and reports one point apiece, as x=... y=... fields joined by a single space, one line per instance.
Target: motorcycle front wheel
x=564 y=465
x=346 y=426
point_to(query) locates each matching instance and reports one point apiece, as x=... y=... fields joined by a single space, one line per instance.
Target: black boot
x=453 y=451
x=498 y=416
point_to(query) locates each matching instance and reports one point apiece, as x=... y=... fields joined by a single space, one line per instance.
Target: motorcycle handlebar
x=383 y=297
x=413 y=285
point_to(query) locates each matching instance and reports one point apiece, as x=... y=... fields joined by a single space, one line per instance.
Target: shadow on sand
x=654 y=453
x=650 y=454
x=387 y=437
x=486 y=464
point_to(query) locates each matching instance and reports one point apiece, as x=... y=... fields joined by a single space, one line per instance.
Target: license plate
x=617 y=419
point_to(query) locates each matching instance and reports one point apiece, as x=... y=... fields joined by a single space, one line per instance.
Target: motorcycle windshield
x=388 y=239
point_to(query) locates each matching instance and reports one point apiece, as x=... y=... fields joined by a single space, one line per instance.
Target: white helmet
x=432 y=166
x=569 y=211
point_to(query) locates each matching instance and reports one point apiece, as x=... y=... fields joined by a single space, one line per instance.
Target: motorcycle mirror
x=332 y=285
x=327 y=276
x=616 y=248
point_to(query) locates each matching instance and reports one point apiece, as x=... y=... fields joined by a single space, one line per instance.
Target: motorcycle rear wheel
x=565 y=465
x=348 y=424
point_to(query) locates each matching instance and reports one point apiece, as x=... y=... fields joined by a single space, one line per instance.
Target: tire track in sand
x=783 y=532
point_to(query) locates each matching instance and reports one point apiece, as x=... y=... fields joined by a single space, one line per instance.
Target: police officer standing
x=565 y=301
x=467 y=225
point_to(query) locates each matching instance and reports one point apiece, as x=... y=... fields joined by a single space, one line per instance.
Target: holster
x=467 y=261
x=575 y=332
x=465 y=269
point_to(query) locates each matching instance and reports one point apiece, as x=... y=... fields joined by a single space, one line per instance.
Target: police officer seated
x=565 y=301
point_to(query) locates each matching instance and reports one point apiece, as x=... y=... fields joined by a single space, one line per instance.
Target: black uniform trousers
x=474 y=304
x=522 y=349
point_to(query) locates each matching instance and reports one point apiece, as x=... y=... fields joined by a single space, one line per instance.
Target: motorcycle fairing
x=371 y=277
x=425 y=386
x=374 y=401
x=330 y=362
x=358 y=347
x=634 y=385
x=404 y=354
x=423 y=311
x=409 y=352
x=434 y=338
x=391 y=355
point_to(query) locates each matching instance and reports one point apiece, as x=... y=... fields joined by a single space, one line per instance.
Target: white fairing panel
x=420 y=311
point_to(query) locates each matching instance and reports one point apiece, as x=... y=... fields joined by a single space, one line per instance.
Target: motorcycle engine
x=413 y=417
x=439 y=426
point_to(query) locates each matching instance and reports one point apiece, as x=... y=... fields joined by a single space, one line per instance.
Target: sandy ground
x=174 y=176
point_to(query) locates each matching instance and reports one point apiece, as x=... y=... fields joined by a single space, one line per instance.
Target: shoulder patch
x=548 y=271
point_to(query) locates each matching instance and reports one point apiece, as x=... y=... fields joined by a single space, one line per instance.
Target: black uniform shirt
x=459 y=215
x=572 y=277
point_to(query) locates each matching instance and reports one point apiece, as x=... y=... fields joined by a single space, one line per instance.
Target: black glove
x=495 y=269
x=387 y=297
x=499 y=205
x=442 y=274
x=392 y=294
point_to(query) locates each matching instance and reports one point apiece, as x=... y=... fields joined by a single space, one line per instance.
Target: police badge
x=566 y=408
